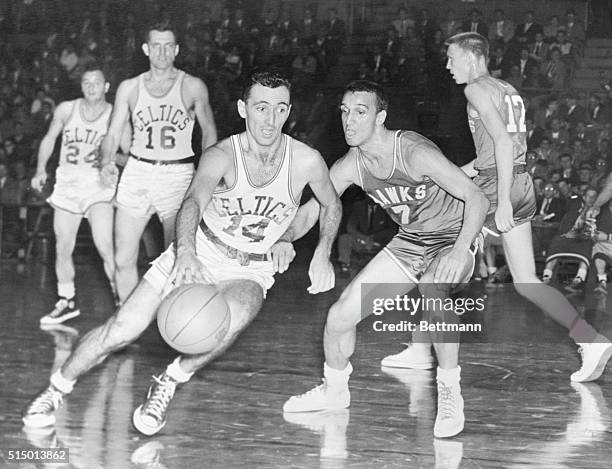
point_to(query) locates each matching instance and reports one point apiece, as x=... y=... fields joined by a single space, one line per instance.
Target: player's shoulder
x=301 y=149
x=193 y=83
x=411 y=141
x=128 y=85
x=65 y=108
x=222 y=149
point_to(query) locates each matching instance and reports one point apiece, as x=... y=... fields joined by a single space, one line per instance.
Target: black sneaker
x=150 y=417
x=64 y=309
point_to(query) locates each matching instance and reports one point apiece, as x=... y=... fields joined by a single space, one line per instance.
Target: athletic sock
x=66 y=290
x=582 y=273
x=602 y=278
x=450 y=376
x=547 y=273
x=337 y=378
x=491 y=270
x=61 y=383
x=175 y=372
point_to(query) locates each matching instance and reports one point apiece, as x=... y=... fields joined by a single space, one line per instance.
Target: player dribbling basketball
x=257 y=176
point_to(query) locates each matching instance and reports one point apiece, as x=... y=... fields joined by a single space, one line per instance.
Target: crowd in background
x=41 y=60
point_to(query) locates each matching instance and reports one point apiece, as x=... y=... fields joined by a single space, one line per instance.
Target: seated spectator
x=546 y=113
x=547 y=152
x=574 y=29
x=534 y=134
x=334 y=38
x=585 y=174
x=514 y=77
x=602 y=246
x=402 y=22
x=536 y=167
x=557 y=134
x=554 y=71
x=475 y=24
x=501 y=29
x=450 y=25
x=425 y=26
x=526 y=64
x=538 y=50
x=580 y=154
x=498 y=65
x=581 y=132
x=572 y=241
x=571 y=111
x=601 y=170
x=568 y=171
x=525 y=32
x=550 y=209
x=368 y=229
x=598 y=113
x=308 y=28
x=551 y=28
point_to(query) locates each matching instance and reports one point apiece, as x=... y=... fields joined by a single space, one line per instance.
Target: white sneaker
x=41 y=411
x=450 y=419
x=410 y=357
x=595 y=356
x=322 y=397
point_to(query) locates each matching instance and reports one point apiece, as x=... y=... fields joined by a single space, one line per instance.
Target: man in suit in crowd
x=501 y=30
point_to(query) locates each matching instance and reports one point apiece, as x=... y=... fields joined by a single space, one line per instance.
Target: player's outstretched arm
x=214 y=164
x=112 y=139
x=478 y=96
x=203 y=112
x=432 y=163
x=60 y=117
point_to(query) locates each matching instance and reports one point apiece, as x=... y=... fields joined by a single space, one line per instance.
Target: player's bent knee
x=341 y=318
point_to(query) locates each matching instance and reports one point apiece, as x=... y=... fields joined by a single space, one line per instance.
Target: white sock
x=491 y=270
x=449 y=377
x=335 y=377
x=66 y=290
x=582 y=273
x=547 y=273
x=61 y=383
x=175 y=372
x=602 y=278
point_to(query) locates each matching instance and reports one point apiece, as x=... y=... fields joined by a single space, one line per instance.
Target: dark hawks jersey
x=419 y=207
x=511 y=108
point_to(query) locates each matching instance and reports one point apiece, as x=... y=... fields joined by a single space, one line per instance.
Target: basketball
x=193 y=318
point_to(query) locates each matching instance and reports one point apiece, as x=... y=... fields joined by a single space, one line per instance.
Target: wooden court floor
x=521 y=410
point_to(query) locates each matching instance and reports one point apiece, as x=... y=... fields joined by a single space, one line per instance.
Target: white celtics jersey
x=248 y=217
x=162 y=125
x=81 y=138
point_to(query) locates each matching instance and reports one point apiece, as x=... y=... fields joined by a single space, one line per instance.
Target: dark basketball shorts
x=414 y=253
x=522 y=197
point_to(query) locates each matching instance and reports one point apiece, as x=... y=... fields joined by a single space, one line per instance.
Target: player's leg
x=169 y=226
x=450 y=418
x=119 y=330
x=101 y=218
x=244 y=298
x=128 y=230
x=65 y=227
x=386 y=279
x=595 y=348
x=602 y=278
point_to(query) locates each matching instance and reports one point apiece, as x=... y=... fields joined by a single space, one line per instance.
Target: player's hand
x=592 y=212
x=188 y=269
x=109 y=174
x=282 y=253
x=451 y=266
x=321 y=273
x=504 y=217
x=38 y=181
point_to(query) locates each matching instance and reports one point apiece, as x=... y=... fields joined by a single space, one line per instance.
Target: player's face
x=358 y=110
x=93 y=85
x=459 y=63
x=161 y=48
x=265 y=111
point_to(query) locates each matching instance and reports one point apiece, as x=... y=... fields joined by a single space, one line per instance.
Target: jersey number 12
x=515 y=102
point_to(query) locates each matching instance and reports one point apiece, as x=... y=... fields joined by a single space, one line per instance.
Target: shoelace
x=314 y=390
x=446 y=403
x=59 y=307
x=48 y=401
x=160 y=398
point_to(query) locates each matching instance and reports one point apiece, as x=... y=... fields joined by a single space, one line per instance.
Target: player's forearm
x=468 y=169
x=44 y=153
x=108 y=148
x=605 y=194
x=474 y=214
x=505 y=170
x=304 y=220
x=187 y=220
x=329 y=222
x=209 y=136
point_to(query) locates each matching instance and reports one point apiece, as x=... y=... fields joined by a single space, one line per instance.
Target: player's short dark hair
x=475 y=43
x=161 y=26
x=367 y=86
x=268 y=78
x=94 y=67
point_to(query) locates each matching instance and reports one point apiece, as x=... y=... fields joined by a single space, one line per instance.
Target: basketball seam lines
x=193 y=317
